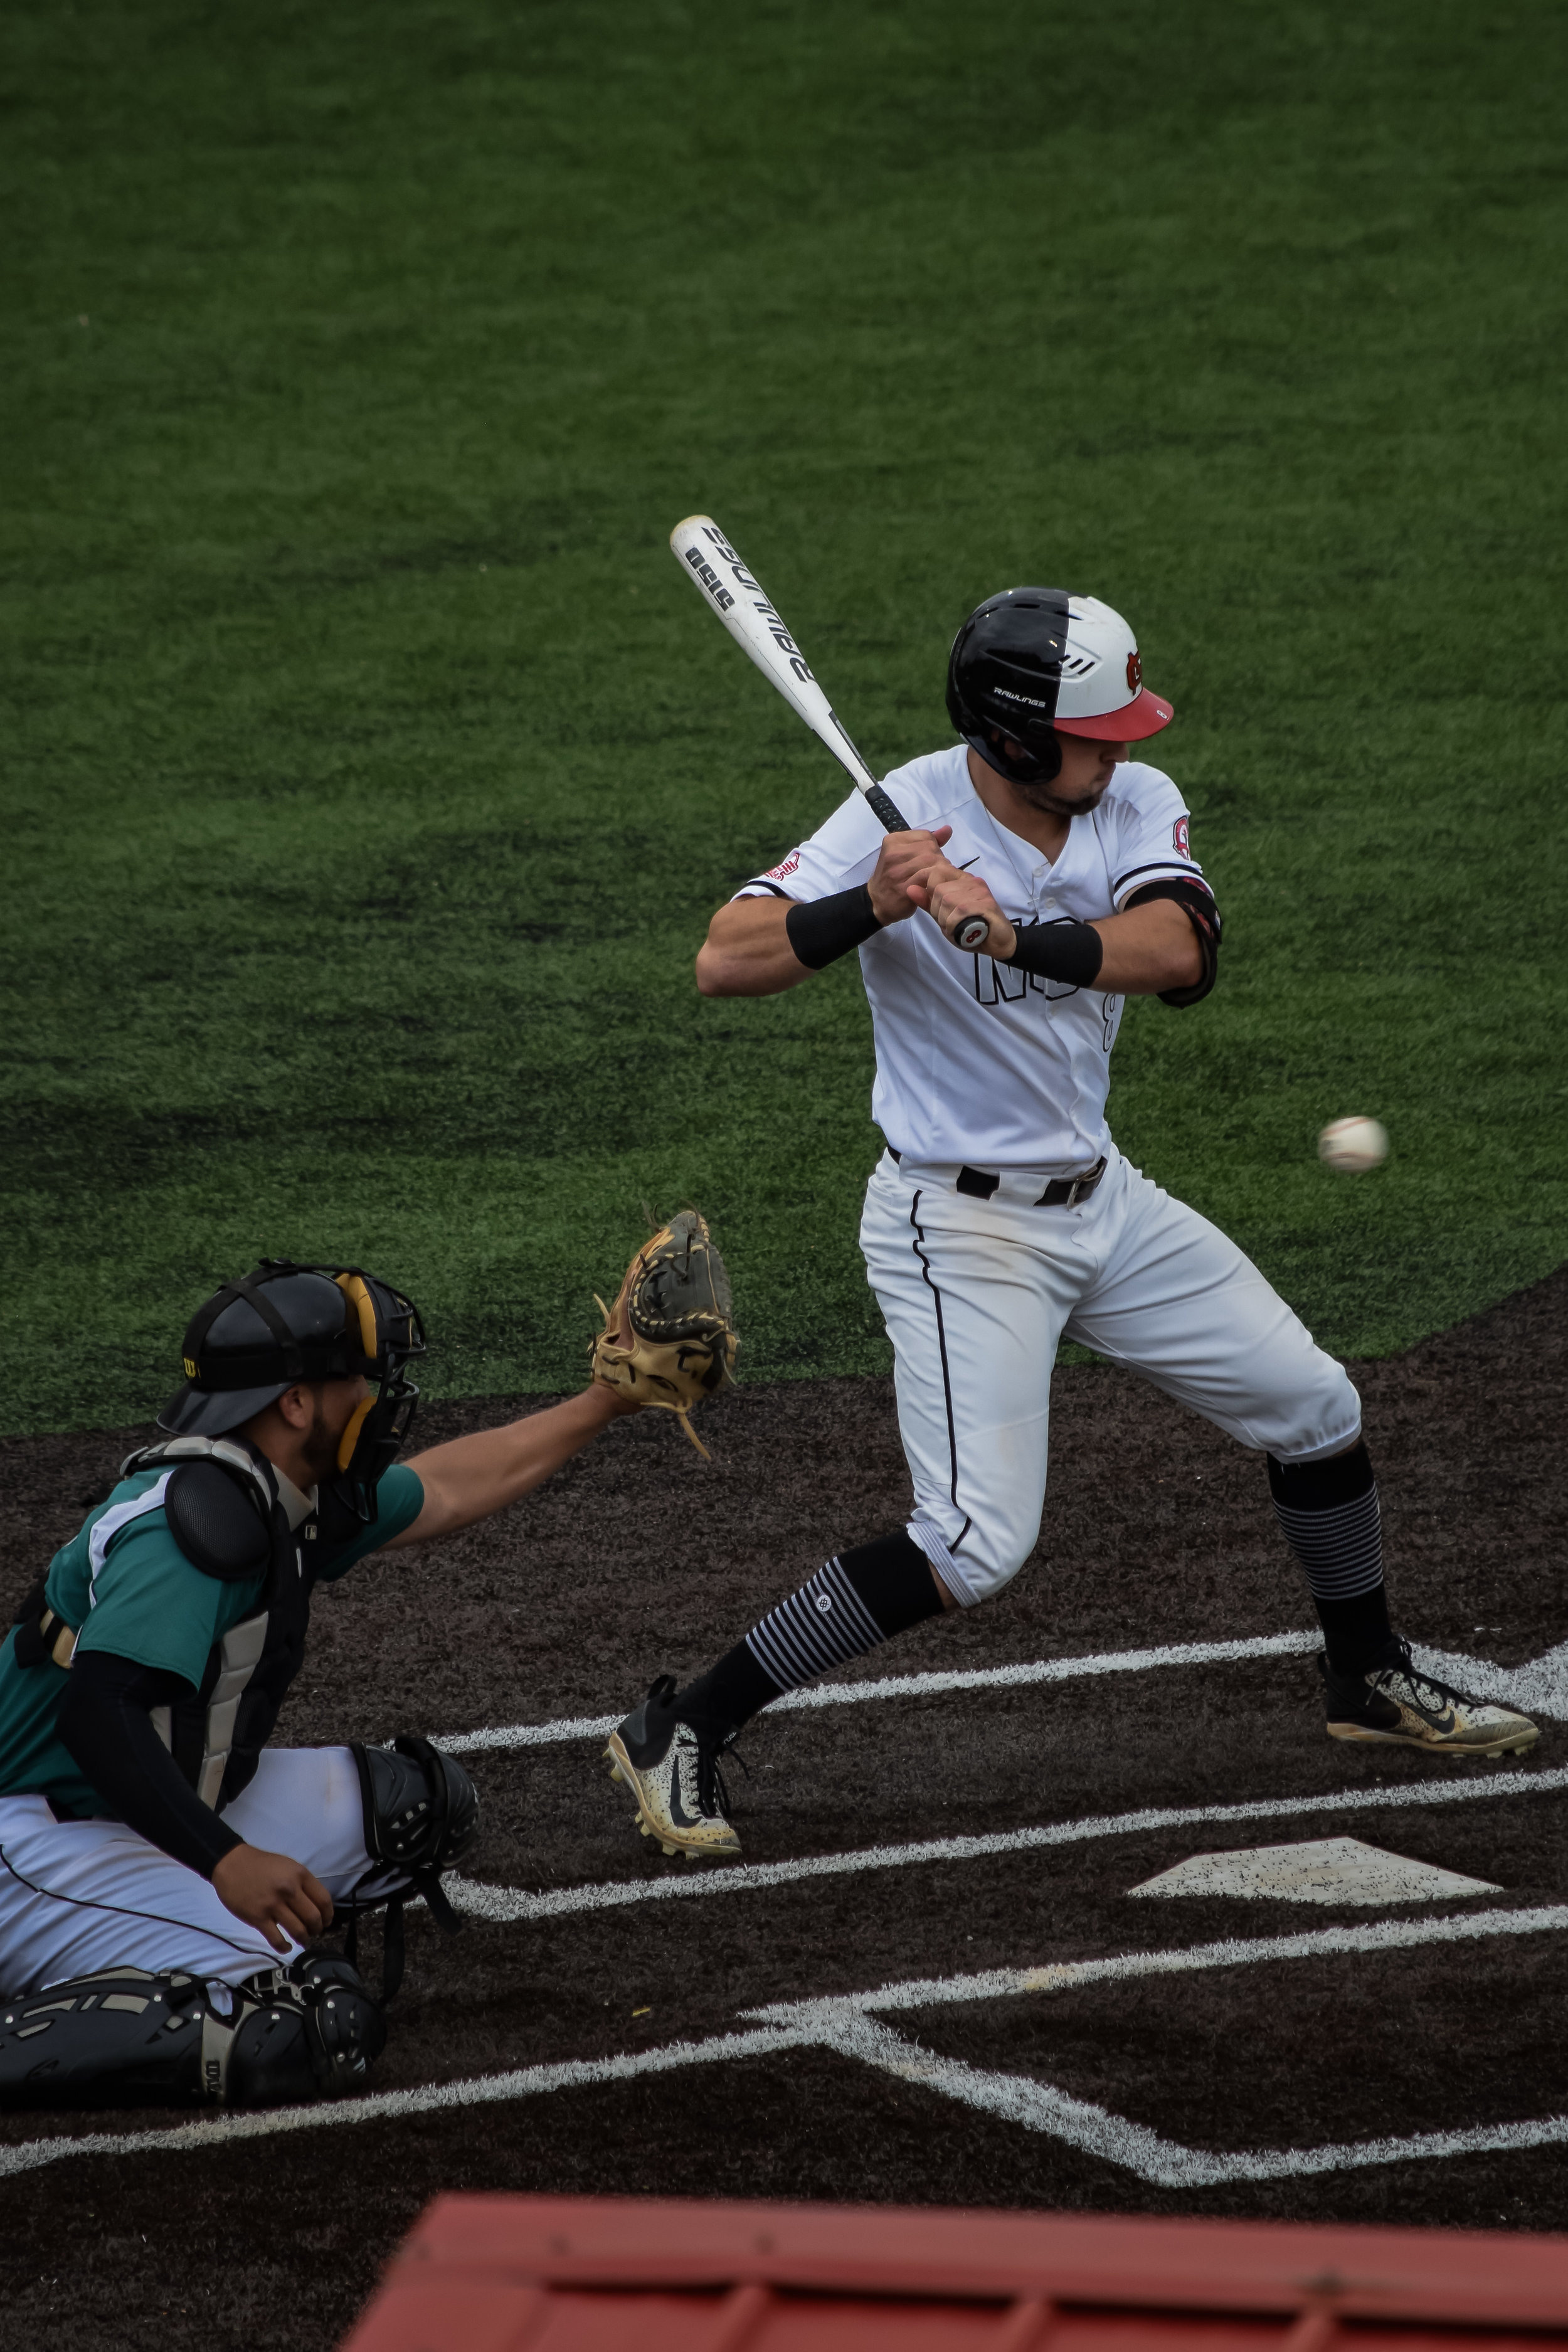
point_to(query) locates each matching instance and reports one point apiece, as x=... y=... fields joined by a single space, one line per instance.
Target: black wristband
x=822 y=929
x=1071 y=951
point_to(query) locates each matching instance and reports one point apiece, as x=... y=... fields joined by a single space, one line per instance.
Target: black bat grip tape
x=885 y=814
x=972 y=932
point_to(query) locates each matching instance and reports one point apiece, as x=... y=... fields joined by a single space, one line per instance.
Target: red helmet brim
x=1144 y=715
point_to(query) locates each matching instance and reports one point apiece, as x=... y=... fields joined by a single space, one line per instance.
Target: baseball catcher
x=163 y=1870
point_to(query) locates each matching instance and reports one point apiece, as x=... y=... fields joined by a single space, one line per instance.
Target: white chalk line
x=378 y=2106
x=1121 y=1968
x=925 y=1685
x=845 y=2024
x=505 y=1906
x=1134 y=2148
x=1539 y=1687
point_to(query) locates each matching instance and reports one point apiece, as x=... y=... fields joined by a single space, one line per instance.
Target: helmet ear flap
x=1036 y=763
x=1004 y=674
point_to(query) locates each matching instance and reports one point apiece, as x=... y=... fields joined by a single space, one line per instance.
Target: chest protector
x=226 y=1516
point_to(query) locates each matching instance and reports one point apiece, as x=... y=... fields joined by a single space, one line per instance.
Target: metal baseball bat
x=754 y=621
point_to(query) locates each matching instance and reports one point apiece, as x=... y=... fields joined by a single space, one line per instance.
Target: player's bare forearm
x=747 y=950
x=470 y=1478
x=1150 y=948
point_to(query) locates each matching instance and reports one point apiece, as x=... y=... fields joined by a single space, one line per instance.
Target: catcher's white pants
x=79 y=1896
x=975 y=1295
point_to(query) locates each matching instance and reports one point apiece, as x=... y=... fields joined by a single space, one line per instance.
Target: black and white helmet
x=1033 y=663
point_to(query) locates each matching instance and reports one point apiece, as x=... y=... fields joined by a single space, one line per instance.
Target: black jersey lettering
x=1000 y=983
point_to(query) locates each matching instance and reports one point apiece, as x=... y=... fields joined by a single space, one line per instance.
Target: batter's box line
x=1540 y=1687
x=1163 y=2163
x=848 y=2024
x=507 y=1906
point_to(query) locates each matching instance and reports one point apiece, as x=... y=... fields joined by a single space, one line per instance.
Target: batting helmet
x=1033 y=663
x=287 y=1323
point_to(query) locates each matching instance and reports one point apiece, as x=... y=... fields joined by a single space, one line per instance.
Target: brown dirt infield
x=640 y=1557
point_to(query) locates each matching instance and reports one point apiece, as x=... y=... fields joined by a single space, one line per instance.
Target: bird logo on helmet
x=1032 y=664
x=286 y=1324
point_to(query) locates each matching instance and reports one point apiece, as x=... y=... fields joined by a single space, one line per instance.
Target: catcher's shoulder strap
x=216 y=1737
x=235 y=1533
x=218 y=1503
x=41 y=1632
x=218 y=1507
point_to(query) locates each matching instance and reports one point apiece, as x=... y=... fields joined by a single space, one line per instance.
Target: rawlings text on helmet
x=1035 y=664
x=1004 y=680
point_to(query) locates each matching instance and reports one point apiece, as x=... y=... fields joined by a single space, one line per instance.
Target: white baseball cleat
x=1396 y=1705
x=675 y=1779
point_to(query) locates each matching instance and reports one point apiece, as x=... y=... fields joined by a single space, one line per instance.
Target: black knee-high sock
x=1329 y=1516
x=859 y=1599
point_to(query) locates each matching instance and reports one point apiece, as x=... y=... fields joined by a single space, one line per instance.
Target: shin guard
x=127 y=2038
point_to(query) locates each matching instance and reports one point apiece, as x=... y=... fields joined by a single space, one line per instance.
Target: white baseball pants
x=79 y=1896
x=976 y=1295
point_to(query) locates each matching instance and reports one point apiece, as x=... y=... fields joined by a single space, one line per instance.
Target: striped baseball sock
x=1328 y=1512
x=858 y=1599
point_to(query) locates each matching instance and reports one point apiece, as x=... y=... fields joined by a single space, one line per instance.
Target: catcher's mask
x=285 y=1324
x=1035 y=664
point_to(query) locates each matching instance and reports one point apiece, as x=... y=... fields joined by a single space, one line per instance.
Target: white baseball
x=1351 y=1146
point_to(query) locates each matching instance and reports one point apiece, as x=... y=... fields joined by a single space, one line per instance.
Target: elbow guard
x=1196 y=901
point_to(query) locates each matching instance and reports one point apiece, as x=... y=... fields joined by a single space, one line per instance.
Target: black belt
x=1061 y=1192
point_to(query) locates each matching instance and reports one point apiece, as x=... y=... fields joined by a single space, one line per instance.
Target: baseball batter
x=1002 y=1217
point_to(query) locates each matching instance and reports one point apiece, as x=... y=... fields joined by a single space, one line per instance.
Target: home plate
x=1325 y=1870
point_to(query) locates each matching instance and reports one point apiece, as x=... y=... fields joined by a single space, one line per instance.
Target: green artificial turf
x=370 y=771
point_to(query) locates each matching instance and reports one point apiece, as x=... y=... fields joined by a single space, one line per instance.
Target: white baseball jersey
x=977 y=1063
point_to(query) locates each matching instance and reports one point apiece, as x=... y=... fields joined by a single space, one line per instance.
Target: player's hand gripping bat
x=752 y=620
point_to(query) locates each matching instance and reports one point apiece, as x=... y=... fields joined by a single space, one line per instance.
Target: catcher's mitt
x=676 y=1304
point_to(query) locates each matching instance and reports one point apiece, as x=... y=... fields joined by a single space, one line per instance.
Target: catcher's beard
x=319 y=1448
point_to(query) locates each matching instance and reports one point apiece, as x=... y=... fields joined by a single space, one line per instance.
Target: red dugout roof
x=601 y=2274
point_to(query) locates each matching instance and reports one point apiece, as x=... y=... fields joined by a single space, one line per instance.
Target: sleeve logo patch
x=1179 y=835
x=782 y=873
